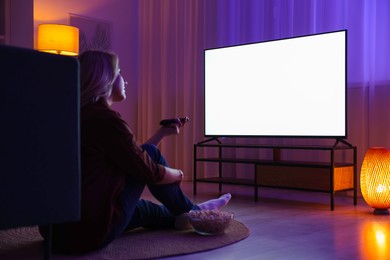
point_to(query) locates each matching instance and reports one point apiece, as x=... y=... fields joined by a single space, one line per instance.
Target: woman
x=115 y=168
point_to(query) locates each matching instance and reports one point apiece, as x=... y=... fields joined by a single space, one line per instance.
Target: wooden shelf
x=271 y=162
x=245 y=182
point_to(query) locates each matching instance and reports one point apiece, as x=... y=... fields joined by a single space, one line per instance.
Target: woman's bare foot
x=216 y=203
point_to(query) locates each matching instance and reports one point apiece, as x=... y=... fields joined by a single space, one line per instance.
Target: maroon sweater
x=109 y=153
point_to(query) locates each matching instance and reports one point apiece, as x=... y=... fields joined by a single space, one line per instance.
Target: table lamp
x=375 y=179
x=58 y=39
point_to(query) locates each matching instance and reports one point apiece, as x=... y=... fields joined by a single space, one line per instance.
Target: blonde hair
x=98 y=71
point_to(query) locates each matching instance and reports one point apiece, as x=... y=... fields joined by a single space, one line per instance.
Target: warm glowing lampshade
x=375 y=179
x=58 y=39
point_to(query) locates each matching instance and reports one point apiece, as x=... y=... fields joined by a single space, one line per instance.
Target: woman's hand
x=164 y=131
x=171 y=129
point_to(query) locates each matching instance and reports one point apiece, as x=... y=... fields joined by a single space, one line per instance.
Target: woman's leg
x=151 y=215
x=130 y=197
x=170 y=195
x=155 y=154
x=175 y=202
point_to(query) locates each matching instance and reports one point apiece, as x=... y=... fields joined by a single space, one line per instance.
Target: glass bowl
x=209 y=222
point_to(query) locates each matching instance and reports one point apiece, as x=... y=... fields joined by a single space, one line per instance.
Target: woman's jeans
x=143 y=213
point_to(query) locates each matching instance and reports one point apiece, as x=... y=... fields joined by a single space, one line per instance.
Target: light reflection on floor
x=375 y=239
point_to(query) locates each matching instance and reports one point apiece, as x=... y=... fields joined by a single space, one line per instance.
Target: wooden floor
x=288 y=224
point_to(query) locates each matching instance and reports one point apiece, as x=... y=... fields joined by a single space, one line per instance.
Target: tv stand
x=329 y=176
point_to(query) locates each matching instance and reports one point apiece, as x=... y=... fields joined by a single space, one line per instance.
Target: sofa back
x=39 y=138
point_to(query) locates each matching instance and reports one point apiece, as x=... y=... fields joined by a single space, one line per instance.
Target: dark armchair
x=39 y=139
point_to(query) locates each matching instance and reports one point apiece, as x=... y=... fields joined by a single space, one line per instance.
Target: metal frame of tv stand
x=276 y=161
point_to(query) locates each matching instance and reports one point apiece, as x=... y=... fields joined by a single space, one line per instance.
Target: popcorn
x=207 y=222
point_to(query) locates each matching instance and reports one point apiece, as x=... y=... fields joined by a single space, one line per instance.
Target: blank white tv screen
x=293 y=87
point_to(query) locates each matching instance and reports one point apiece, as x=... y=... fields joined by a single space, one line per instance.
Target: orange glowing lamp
x=375 y=179
x=58 y=39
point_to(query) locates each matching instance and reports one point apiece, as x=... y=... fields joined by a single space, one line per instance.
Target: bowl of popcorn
x=209 y=222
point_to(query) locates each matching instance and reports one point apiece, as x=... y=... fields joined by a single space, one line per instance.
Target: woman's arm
x=171 y=176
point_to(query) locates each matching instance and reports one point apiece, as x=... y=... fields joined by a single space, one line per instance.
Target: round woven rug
x=26 y=243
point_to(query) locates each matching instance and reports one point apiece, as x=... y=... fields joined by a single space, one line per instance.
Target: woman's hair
x=98 y=71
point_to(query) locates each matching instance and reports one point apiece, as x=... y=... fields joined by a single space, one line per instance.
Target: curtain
x=172 y=35
x=170 y=74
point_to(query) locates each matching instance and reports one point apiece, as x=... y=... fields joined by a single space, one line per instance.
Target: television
x=290 y=87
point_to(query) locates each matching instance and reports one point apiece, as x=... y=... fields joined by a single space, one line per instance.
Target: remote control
x=166 y=122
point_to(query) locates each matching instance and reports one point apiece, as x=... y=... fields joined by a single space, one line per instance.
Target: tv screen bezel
x=339 y=137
